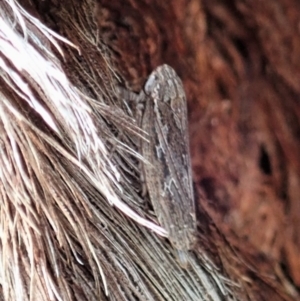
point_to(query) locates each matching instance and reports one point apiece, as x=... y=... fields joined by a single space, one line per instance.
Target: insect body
x=168 y=174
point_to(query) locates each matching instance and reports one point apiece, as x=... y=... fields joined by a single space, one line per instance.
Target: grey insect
x=167 y=174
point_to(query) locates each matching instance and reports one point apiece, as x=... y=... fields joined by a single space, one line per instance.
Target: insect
x=167 y=174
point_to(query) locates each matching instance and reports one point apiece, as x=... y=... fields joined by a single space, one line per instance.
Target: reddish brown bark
x=239 y=62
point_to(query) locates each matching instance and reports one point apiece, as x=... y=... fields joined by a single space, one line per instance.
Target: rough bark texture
x=240 y=65
x=239 y=61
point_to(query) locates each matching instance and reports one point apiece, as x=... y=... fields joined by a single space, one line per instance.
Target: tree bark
x=239 y=64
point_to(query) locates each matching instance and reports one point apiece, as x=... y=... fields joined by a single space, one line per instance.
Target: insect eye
x=150 y=84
